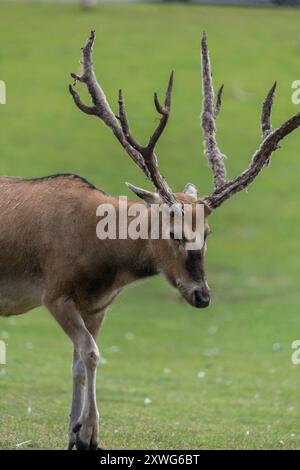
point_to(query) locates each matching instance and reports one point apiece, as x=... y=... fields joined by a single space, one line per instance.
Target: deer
x=50 y=255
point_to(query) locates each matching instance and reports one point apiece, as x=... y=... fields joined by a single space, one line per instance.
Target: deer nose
x=202 y=299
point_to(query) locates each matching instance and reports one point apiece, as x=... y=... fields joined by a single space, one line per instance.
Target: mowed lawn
x=215 y=378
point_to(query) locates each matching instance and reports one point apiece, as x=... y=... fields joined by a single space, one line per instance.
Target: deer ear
x=147 y=196
x=190 y=190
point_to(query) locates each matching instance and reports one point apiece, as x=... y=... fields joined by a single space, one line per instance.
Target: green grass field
x=154 y=344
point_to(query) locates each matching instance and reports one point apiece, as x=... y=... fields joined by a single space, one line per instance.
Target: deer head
x=183 y=268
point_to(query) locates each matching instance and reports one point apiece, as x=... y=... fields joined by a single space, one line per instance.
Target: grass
x=249 y=395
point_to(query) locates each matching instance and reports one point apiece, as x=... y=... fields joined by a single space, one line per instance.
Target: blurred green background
x=216 y=378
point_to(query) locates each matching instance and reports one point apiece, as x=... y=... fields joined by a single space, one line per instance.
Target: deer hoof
x=71 y=445
x=82 y=445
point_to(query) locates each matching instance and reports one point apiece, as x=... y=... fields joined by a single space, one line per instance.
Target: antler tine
x=219 y=101
x=208 y=116
x=125 y=124
x=266 y=126
x=165 y=112
x=83 y=107
x=144 y=157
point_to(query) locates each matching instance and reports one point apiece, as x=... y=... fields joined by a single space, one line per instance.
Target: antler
x=223 y=189
x=144 y=157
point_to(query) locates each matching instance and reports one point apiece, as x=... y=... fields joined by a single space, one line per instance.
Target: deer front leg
x=78 y=371
x=69 y=318
x=93 y=323
x=86 y=429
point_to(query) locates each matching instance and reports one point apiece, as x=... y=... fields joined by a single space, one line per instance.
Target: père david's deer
x=50 y=254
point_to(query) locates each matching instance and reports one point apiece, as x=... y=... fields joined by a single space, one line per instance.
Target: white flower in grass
x=130 y=336
x=211 y=352
x=29 y=410
x=212 y=330
x=239 y=92
x=228 y=316
x=113 y=349
x=147 y=401
x=247 y=433
x=201 y=374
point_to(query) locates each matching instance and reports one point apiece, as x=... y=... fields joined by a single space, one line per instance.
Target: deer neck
x=140 y=256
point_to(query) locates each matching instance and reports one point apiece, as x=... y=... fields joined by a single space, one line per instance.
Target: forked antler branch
x=223 y=189
x=144 y=157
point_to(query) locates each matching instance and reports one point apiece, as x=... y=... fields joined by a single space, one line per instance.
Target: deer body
x=56 y=260
x=49 y=250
